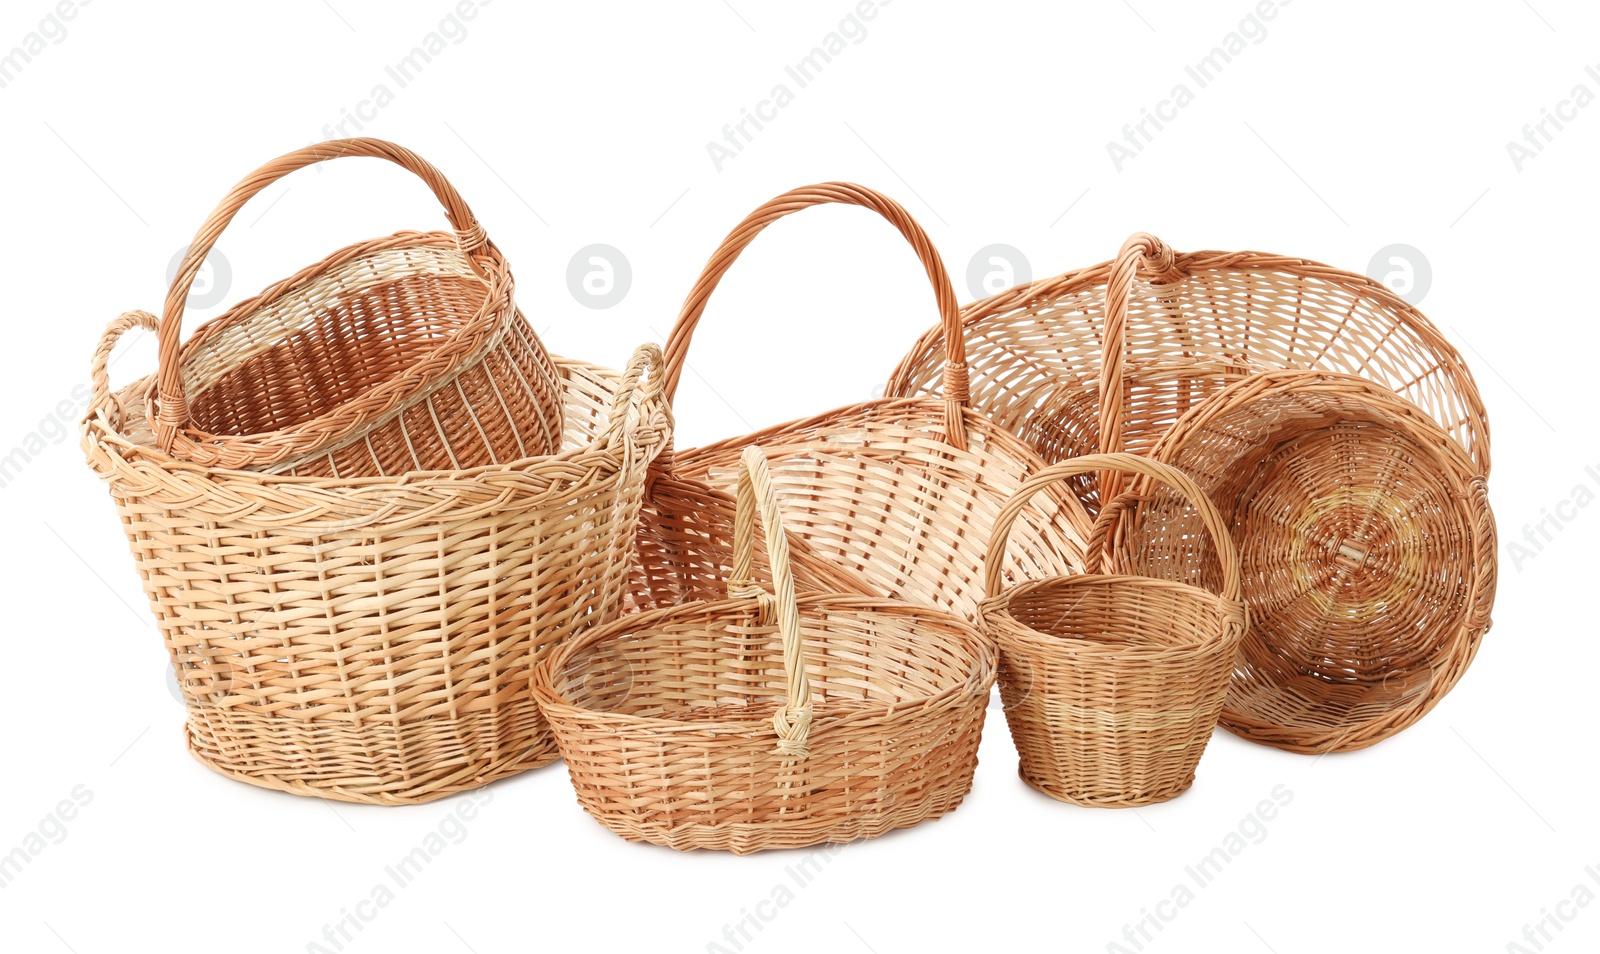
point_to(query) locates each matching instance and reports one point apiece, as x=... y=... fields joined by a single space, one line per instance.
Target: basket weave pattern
x=1112 y=684
x=402 y=353
x=766 y=720
x=372 y=639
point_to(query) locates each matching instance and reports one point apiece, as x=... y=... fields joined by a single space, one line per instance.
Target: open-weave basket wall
x=1112 y=684
x=373 y=639
x=1192 y=322
x=397 y=354
x=900 y=493
x=762 y=720
x=1367 y=544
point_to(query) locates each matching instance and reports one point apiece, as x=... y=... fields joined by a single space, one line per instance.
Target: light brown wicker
x=1112 y=683
x=402 y=353
x=767 y=720
x=372 y=639
x=1368 y=549
x=1189 y=324
x=901 y=493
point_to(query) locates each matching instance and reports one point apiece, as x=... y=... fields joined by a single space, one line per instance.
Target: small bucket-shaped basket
x=403 y=353
x=765 y=720
x=1112 y=684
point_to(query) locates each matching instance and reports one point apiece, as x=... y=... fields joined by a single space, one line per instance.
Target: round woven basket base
x=768 y=835
x=1089 y=799
x=442 y=781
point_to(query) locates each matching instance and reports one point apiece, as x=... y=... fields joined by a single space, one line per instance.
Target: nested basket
x=398 y=354
x=373 y=639
x=1160 y=331
x=1367 y=546
x=767 y=720
x=1112 y=683
x=899 y=493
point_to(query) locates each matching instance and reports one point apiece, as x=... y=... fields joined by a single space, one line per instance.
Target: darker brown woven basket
x=1367 y=544
x=1112 y=683
x=767 y=720
x=399 y=354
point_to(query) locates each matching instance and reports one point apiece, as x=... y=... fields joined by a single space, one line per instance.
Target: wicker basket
x=1368 y=551
x=901 y=493
x=1189 y=325
x=1112 y=683
x=403 y=353
x=372 y=639
x=768 y=720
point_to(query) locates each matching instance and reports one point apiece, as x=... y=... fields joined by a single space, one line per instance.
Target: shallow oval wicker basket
x=372 y=639
x=1112 y=683
x=398 y=354
x=1160 y=331
x=1367 y=546
x=764 y=720
x=902 y=493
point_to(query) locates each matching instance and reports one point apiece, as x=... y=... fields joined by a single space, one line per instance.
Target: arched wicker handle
x=99 y=376
x=955 y=371
x=757 y=497
x=1141 y=252
x=1121 y=463
x=172 y=413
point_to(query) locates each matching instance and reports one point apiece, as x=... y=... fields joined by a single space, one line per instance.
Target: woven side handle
x=955 y=372
x=172 y=412
x=1141 y=252
x=100 y=395
x=758 y=498
x=646 y=363
x=1120 y=463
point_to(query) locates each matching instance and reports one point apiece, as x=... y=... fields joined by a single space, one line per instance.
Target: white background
x=1349 y=127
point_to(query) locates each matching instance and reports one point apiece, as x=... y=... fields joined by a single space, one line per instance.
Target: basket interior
x=715 y=661
x=1035 y=366
x=301 y=351
x=1117 y=614
x=1357 y=554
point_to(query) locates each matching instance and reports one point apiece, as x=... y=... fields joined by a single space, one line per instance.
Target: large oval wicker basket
x=767 y=720
x=1112 y=683
x=901 y=493
x=373 y=639
x=398 y=354
x=1160 y=331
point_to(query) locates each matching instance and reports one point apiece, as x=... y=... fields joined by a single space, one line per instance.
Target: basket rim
x=984 y=658
x=927 y=352
x=999 y=623
x=473 y=335
x=94 y=427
